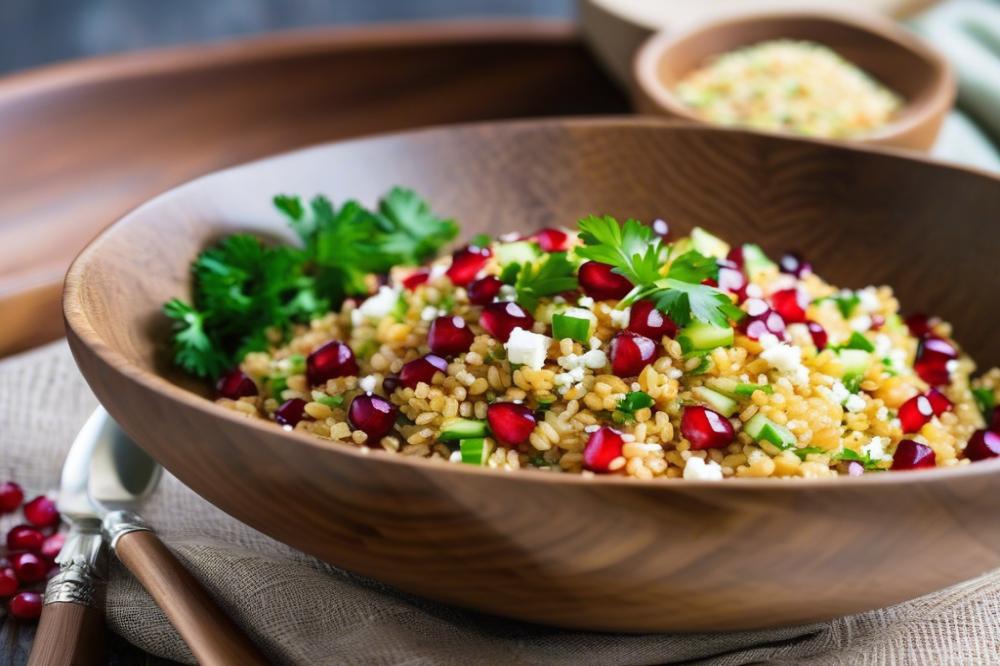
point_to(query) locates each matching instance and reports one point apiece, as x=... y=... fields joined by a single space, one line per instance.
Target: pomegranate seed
x=914 y=413
x=235 y=384
x=466 y=263
x=373 y=415
x=500 y=318
x=995 y=421
x=511 y=423
x=422 y=370
x=484 y=290
x=791 y=305
x=600 y=283
x=761 y=320
x=52 y=546
x=661 y=228
x=11 y=496
x=449 y=335
x=933 y=355
x=290 y=412
x=793 y=264
x=982 y=445
x=416 y=278
x=29 y=567
x=705 y=428
x=919 y=324
x=646 y=320
x=939 y=403
x=25 y=537
x=332 y=360
x=630 y=353
x=26 y=605
x=913 y=455
x=731 y=279
x=878 y=321
x=735 y=256
x=8 y=582
x=41 y=512
x=818 y=334
x=603 y=446
x=552 y=240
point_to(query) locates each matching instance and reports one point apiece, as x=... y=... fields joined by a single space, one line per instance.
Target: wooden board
x=85 y=142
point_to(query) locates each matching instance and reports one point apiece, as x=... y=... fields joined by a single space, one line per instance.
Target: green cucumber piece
x=858 y=341
x=747 y=390
x=720 y=403
x=575 y=328
x=459 y=428
x=755 y=261
x=331 y=400
x=708 y=245
x=764 y=429
x=724 y=385
x=854 y=361
x=518 y=252
x=474 y=451
x=701 y=336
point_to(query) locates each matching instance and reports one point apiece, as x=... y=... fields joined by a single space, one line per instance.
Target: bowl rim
x=658 y=46
x=78 y=325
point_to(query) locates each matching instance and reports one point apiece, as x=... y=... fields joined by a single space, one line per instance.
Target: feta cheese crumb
x=786 y=359
x=698 y=470
x=619 y=317
x=839 y=393
x=875 y=449
x=368 y=383
x=429 y=313
x=869 y=301
x=381 y=304
x=861 y=323
x=882 y=414
x=855 y=403
x=595 y=359
x=585 y=302
x=595 y=343
x=527 y=348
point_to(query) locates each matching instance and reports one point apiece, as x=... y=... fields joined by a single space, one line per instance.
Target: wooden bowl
x=607 y=553
x=897 y=58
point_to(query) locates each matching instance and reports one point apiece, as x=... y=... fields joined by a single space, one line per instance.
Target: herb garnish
x=986 y=402
x=551 y=275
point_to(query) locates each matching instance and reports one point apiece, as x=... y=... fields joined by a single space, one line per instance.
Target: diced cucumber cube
x=720 y=403
x=575 y=328
x=764 y=429
x=701 y=336
x=755 y=261
x=708 y=245
x=518 y=252
x=724 y=385
x=459 y=428
x=474 y=451
x=854 y=361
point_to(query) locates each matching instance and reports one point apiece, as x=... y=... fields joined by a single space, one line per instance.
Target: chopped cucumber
x=854 y=361
x=755 y=261
x=734 y=389
x=764 y=429
x=708 y=245
x=332 y=400
x=700 y=336
x=474 y=451
x=567 y=326
x=459 y=428
x=747 y=390
x=518 y=252
x=296 y=364
x=720 y=403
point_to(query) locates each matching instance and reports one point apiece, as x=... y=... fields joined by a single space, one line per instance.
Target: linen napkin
x=302 y=611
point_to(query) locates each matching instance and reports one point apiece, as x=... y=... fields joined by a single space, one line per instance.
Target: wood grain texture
x=85 y=142
x=69 y=635
x=213 y=638
x=607 y=553
x=902 y=61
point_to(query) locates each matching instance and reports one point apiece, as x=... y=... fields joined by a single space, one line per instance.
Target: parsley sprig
x=548 y=276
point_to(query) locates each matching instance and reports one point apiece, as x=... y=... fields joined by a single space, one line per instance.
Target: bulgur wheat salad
x=615 y=348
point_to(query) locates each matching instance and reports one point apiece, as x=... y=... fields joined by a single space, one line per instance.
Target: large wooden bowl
x=607 y=553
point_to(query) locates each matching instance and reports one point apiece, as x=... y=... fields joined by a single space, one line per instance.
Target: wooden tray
x=84 y=142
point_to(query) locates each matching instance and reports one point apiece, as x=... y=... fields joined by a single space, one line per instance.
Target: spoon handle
x=207 y=630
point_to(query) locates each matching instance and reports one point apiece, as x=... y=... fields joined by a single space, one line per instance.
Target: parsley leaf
x=684 y=301
x=633 y=248
x=412 y=233
x=986 y=402
x=694 y=267
x=846 y=302
x=805 y=451
x=549 y=276
x=634 y=401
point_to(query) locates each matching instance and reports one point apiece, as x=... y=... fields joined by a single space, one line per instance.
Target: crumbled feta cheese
x=786 y=359
x=869 y=300
x=585 y=302
x=875 y=449
x=595 y=343
x=570 y=361
x=429 y=313
x=527 y=348
x=882 y=414
x=839 y=393
x=883 y=345
x=698 y=470
x=368 y=383
x=595 y=359
x=437 y=271
x=356 y=317
x=381 y=304
x=861 y=323
x=619 y=317
x=855 y=403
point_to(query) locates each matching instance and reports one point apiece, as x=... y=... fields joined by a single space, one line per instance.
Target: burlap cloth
x=302 y=611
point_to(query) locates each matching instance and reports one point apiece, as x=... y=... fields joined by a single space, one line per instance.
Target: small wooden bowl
x=605 y=553
x=898 y=59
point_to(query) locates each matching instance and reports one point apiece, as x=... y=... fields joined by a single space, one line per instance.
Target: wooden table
x=85 y=142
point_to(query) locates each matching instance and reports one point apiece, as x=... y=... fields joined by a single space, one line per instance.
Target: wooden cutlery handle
x=68 y=634
x=211 y=635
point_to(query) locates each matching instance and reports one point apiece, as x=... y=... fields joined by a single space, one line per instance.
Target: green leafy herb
x=853 y=382
x=551 y=275
x=986 y=402
x=634 y=401
x=633 y=248
x=481 y=240
x=863 y=458
x=805 y=451
x=846 y=303
x=508 y=275
x=684 y=301
x=694 y=267
x=858 y=341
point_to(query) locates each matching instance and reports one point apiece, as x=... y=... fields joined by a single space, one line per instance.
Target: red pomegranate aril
x=661 y=228
x=449 y=335
x=791 y=305
x=630 y=353
x=735 y=256
x=982 y=445
x=422 y=370
x=466 y=264
x=933 y=356
x=29 y=567
x=913 y=455
x=25 y=537
x=994 y=424
x=761 y=320
x=601 y=283
x=915 y=413
x=11 y=496
x=416 y=278
x=502 y=317
x=603 y=446
x=511 y=423
x=332 y=360
x=52 y=546
x=818 y=334
x=41 y=512
x=646 y=320
x=939 y=402
x=705 y=428
x=878 y=321
x=793 y=264
x=919 y=324
x=290 y=412
x=552 y=240
x=235 y=384
x=373 y=415
x=8 y=582
x=731 y=279
x=484 y=290
x=26 y=605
